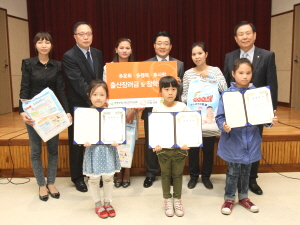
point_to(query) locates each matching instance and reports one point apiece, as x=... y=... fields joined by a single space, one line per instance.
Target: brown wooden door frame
x=293 y=54
x=9 y=61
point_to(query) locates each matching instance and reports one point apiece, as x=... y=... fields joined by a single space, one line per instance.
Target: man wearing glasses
x=162 y=43
x=81 y=65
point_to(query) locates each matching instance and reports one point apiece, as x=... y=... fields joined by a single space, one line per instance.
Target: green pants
x=171 y=163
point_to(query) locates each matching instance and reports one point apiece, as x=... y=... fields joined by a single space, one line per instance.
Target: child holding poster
x=239 y=147
x=101 y=160
x=171 y=160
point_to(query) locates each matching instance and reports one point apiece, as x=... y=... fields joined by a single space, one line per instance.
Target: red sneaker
x=102 y=213
x=110 y=210
x=226 y=208
x=249 y=205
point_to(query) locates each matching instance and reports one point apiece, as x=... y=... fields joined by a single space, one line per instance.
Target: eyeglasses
x=166 y=44
x=84 y=34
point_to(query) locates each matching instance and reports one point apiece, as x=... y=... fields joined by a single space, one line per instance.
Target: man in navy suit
x=81 y=65
x=264 y=74
x=162 y=43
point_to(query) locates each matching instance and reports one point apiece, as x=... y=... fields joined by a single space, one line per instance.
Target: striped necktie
x=245 y=55
x=90 y=60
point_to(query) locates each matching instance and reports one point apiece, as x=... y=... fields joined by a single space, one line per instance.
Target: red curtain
x=211 y=21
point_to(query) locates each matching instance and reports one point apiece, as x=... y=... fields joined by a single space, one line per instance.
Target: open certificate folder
x=99 y=125
x=250 y=107
x=175 y=129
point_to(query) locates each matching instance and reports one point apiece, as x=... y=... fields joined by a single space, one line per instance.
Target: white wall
x=281 y=44
x=16 y=8
x=18 y=35
x=280 y=6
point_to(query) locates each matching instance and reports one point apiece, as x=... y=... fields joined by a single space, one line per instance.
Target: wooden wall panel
x=285 y=156
x=18 y=34
x=281 y=44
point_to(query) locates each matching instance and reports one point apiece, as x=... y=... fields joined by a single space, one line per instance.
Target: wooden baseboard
x=281 y=168
x=285 y=104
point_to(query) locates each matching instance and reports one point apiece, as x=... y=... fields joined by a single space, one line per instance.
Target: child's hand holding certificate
x=175 y=130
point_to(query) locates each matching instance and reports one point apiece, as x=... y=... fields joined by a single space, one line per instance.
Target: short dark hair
x=208 y=107
x=42 y=35
x=240 y=61
x=168 y=81
x=199 y=44
x=116 y=56
x=81 y=23
x=95 y=84
x=242 y=23
x=164 y=34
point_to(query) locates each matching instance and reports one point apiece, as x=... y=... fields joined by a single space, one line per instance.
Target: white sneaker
x=169 y=207
x=178 y=207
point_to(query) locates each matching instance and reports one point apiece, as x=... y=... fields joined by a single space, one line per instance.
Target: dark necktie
x=89 y=60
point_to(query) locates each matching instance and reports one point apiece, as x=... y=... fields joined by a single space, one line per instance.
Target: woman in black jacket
x=38 y=73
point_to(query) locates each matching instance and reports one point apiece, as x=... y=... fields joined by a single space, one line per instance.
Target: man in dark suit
x=162 y=43
x=81 y=65
x=264 y=74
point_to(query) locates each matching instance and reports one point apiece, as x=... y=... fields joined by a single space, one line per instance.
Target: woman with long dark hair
x=123 y=53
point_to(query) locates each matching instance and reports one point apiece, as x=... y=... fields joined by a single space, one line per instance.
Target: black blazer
x=264 y=70
x=180 y=67
x=36 y=77
x=180 y=73
x=79 y=74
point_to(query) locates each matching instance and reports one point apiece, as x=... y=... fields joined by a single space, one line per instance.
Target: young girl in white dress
x=101 y=160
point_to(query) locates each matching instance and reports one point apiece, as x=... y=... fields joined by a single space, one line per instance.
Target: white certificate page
x=86 y=125
x=113 y=122
x=234 y=109
x=189 y=129
x=259 y=106
x=161 y=130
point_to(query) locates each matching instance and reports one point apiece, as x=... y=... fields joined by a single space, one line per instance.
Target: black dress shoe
x=148 y=182
x=81 y=186
x=53 y=195
x=207 y=183
x=43 y=198
x=192 y=183
x=125 y=184
x=118 y=183
x=255 y=188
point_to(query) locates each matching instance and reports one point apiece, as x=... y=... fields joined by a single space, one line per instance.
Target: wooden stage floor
x=281 y=146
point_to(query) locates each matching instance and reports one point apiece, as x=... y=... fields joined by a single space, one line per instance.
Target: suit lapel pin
x=258 y=56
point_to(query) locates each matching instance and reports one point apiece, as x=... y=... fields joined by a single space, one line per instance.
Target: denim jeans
x=237 y=176
x=171 y=162
x=35 y=156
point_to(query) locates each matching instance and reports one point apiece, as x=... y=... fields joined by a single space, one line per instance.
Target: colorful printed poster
x=126 y=151
x=136 y=84
x=49 y=117
x=203 y=95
